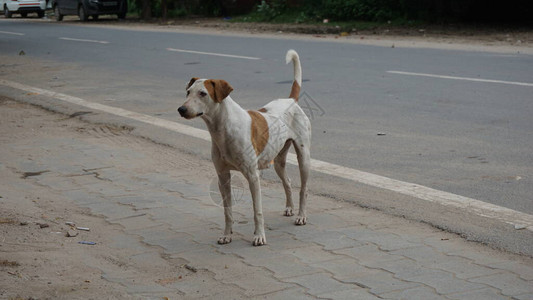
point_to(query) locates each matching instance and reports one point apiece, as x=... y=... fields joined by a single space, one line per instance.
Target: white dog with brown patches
x=248 y=141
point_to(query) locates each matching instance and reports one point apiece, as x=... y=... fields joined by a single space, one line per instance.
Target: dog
x=248 y=141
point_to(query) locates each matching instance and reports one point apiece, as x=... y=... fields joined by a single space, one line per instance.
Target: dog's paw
x=300 y=220
x=259 y=240
x=288 y=212
x=225 y=239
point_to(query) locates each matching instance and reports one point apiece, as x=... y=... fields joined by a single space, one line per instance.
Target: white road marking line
x=480 y=208
x=82 y=40
x=461 y=78
x=13 y=33
x=177 y=127
x=477 y=207
x=214 y=54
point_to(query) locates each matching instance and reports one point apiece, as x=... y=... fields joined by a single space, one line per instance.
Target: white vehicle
x=23 y=7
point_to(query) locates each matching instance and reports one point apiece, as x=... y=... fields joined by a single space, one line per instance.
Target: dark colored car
x=86 y=8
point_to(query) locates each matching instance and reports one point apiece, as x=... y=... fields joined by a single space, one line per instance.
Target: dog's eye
x=202 y=94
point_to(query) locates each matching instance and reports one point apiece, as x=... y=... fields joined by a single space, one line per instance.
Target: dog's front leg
x=224 y=185
x=255 y=188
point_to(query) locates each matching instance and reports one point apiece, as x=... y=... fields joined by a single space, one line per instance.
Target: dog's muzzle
x=184 y=113
x=182 y=110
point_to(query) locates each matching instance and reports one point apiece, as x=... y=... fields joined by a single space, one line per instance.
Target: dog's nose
x=182 y=110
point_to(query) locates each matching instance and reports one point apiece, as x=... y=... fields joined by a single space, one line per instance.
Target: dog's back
x=285 y=118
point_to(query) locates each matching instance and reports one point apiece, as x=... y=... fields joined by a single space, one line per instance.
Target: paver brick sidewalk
x=162 y=198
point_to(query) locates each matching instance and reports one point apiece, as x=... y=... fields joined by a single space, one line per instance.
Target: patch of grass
x=300 y=18
x=370 y=25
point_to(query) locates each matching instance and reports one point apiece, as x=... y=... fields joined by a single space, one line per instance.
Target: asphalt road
x=467 y=137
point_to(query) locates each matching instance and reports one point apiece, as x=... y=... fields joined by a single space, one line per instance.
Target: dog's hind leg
x=304 y=163
x=224 y=185
x=279 y=166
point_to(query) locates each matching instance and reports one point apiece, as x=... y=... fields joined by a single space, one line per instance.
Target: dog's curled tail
x=297 y=84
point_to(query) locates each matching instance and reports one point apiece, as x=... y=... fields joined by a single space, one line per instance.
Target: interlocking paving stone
x=525 y=272
x=368 y=254
x=111 y=210
x=476 y=254
x=345 y=212
x=386 y=241
x=207 y=258
x=527 y=296
x=202 y=288
x=282 y=241
x=482 y=294
x=442 y=282
x=251 y=253
x=150 y=290
x=140 y=202
x=172 y=242
x=106 y=189
x=422 y=254
x=81 y=197
x=237 y=269
x=312 y=254
x=254 y=280
x=381 y=282
x=118 y=277
x=284 y=266
x=206 y=236
x=178 y=220
x=130 y=242
x=214 y=214
x=113 y=174
x=463 y=268
x=57 y=182
x=508 y=284
x=401 y=268
x=192 y=190
x=333 y=240
x=25 y=165
x=327 y=221
x=291 y=293
x=420 y=292
x=344 y=268
x=320 y=283
x=359 y=294
x=257 y=283
x=136 y=224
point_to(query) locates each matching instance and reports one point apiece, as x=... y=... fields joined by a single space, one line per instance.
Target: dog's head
x=203 y=95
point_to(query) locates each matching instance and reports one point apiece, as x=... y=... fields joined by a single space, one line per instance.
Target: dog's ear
x=218 y=89
x=191 y=82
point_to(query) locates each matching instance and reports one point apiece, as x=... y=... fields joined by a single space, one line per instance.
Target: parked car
x=86 y=8
x=23 y=7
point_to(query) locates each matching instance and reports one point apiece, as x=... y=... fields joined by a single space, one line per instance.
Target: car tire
x=57 y=14
x=7 y=12
x=82 y=14
x=40 y=14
